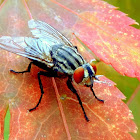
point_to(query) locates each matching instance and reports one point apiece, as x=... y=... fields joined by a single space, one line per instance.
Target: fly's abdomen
x=66 y=59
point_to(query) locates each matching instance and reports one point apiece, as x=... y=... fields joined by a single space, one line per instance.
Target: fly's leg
x=70 y=86
x=28 y=69
x=95 y=95
x=48 y=74
x=41 y=88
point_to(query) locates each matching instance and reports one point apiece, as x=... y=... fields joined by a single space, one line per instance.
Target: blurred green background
x=126 y=84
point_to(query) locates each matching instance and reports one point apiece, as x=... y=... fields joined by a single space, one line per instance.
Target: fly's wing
x=31 y=48
x=38 y=48
x=46 y=32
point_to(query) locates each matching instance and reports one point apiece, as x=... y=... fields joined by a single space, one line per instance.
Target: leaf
x=59 y=116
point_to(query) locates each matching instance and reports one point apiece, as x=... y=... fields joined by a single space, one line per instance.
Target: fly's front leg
x=95 y=95
x=70 y=86
x=48 y=74
x=28 y=69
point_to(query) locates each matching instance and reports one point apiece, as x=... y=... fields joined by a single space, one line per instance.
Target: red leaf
x=59 y=116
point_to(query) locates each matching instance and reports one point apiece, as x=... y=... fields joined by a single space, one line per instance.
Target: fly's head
x=85 y=74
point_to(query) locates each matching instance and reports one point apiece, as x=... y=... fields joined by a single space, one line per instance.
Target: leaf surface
x=59 y=116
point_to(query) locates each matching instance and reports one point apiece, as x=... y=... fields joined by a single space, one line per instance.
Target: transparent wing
x=31 y=48
x=46 y=32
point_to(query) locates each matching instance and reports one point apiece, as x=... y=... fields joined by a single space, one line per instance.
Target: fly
x=54 y=53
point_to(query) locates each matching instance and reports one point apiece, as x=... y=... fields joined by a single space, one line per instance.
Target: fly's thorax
x=66 y=59
x=85 y=74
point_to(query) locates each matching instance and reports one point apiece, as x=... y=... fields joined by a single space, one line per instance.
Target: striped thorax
x=66 y=59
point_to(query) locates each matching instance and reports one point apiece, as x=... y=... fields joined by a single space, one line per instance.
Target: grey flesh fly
x=54 y=53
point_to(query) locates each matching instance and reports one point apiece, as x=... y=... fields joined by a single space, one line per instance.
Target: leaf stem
x=133 y=95
x=28 y=10
x=61 y=109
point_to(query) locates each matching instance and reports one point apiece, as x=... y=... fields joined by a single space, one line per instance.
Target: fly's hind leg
x=70 y=86
x=28 y=69
x=41 y=88
x=48 y=74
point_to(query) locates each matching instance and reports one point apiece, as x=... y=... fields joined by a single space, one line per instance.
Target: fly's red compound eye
x=78 y=75
x=93 y=66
